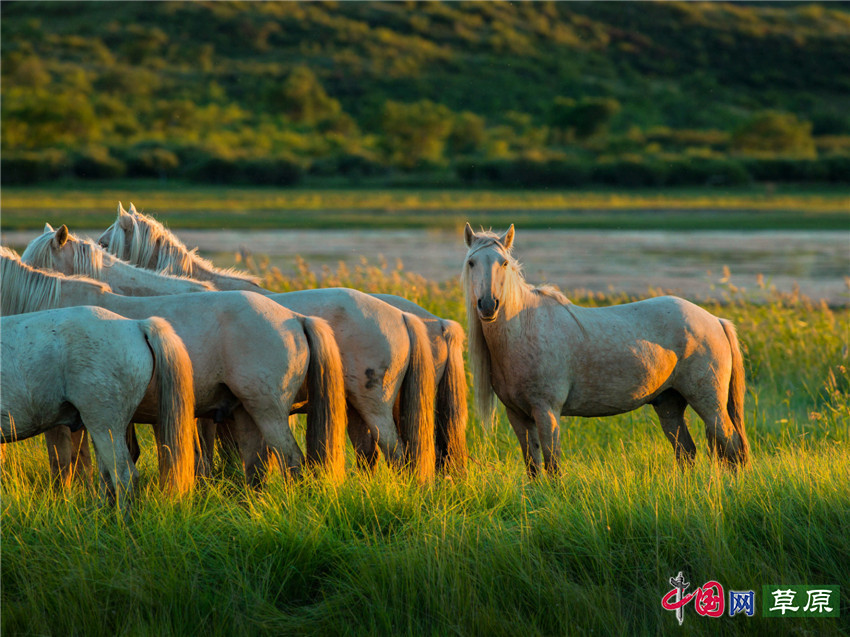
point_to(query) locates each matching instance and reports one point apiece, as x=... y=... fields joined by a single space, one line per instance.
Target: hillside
x=214 y=90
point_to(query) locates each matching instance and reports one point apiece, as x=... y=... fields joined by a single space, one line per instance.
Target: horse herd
x=136 y=328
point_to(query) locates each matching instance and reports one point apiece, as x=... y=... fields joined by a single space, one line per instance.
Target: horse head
x=485 y=270
x=117 y=238
x=52 y=250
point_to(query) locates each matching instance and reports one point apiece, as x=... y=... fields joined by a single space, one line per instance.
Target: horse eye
x=504 y=264
x=472 y=264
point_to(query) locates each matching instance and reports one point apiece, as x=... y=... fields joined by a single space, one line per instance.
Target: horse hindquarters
x=326 y=409
x=715 y=391
x=451 y=407
x=176 y=398
x=416 y=401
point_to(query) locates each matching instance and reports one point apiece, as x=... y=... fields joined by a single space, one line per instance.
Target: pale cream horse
x=385 y=353
x=57 y=250
x=545 y=357
x=252 y=359
x=86 y=366
x=144 y=241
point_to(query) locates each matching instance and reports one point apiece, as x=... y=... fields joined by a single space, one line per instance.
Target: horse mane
x=29 y=289
x=88 y=259
x=149 y=239
x=88 y=256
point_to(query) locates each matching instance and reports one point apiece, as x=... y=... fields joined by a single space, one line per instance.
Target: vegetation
x=90 y=205
x=522 y=94
x=488 y=553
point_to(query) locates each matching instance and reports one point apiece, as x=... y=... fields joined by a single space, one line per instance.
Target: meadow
x=386 y=204
x=490 y=552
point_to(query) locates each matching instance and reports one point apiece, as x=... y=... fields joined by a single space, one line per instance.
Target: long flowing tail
x=326 y=413
x=176 y=393
x=416 y=401
x=451 y=409
x=738 y=452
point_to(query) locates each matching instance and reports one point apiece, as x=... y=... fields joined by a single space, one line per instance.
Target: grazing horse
x=252 y=359
x=385 y=352
x=87 y=366
x=545 y=357
x=145 y=242
x=63 y=252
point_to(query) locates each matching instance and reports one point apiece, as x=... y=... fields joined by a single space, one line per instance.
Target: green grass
x=491 y=553
x=83 y=205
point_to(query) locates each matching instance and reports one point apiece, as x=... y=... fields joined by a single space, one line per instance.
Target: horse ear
x=61 y=236
x=121 y=211
x=125 y=222
x=507 y=239
x=48 y=228
x=132 y=208
x=468 y=234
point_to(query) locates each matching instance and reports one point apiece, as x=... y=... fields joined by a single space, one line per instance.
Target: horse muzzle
x=488 y=310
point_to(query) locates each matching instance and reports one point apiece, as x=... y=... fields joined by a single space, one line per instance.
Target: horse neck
x=127 y=279
x=223 y=281
x=511 y=324
x=74 y=292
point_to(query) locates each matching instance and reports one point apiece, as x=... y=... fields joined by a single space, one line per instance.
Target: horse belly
x=614 y=383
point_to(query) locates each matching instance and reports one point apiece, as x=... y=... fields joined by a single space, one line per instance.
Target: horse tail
x=416 y=401
x=451 y=410
x=326 y=410
x=739 y=451
x=175 y=391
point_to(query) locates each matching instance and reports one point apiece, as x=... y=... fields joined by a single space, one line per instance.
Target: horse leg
x=383 y=431
x=133 y=443
x=549 y=431
x=59 y=454
x=529 y=441
x=228 y=449
x=118 y=473
x=670 y=407
x=365 y=446
x=206 y=443
x=81 y=466
x=251 y=446
x=272 y=419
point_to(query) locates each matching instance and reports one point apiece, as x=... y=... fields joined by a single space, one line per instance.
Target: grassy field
x=491 y=553
x=84 y=205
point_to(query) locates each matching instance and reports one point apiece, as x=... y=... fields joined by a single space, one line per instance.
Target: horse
x=386 y=358
x=87 y=366
x=252 y=359
x=147 y=243
x=60 y=251
x=544 y=357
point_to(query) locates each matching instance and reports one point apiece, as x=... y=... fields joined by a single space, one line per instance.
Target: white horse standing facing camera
x=545 y=357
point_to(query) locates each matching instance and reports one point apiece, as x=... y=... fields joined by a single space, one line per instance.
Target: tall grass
x=492 y=553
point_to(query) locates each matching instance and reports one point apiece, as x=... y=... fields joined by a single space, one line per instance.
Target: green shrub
x=277 y=171
x=629 y=172
x=152 y=162
x=97 y=163
x=18 y=168
x=699 y=171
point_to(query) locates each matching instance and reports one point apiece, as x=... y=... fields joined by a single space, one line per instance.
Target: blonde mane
x=155 y=247
x=89 y=259
x=29 y=289
x=88 y=256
